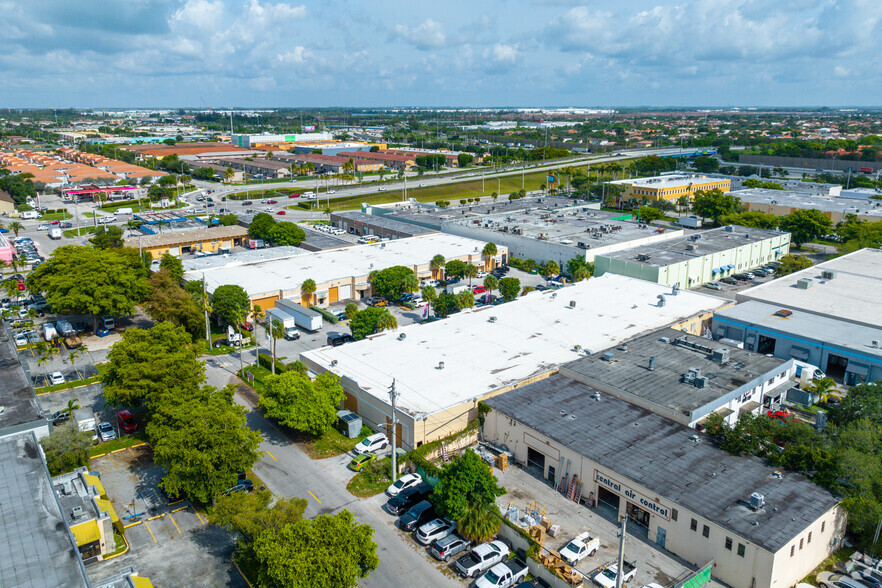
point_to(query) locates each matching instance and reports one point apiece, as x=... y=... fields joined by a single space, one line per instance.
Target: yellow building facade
x=670 y=188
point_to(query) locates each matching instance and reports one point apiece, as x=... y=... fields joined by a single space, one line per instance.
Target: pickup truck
x=607 y=576
x=580 y=548
x=481 y=558
x=503 y=575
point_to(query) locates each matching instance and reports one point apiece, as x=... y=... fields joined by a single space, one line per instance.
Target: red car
x=281 y=212
x=293 y=195
x=247 y=327
x=272 y=201
x=478 y=289
x=248 y=203
x=55 y=222
x=782 y=415
x=126 y=422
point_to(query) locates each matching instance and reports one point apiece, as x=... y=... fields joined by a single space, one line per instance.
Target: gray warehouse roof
x=660 y=455
x=21 y=410
x=688 y=247
x=793 y=199
x=380 y=221
x=675 y=354
x=36 y=549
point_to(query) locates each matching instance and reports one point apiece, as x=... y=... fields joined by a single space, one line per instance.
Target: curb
x=124 y=551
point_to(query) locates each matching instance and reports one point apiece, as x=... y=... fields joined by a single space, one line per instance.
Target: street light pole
x=621 y=560
x=393 y=396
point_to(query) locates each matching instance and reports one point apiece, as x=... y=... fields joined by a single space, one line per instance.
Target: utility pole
x=621 y=560
x=393 y=396
x=205 y=308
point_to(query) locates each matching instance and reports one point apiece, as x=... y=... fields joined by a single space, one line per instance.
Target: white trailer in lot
x=289 y=323
x=307 y=319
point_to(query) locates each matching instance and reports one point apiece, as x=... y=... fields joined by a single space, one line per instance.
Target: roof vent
x=829 y=274
x=623 y=347
x=695 y=438
x=665 y=339
x=333 y=362
x=804 y=283
x=690 y=247
x=440 y=365
x=675 y=290
x=76 y=512
x=572 y=304
x=609 y=357
x=67 y=487
x=572 y=417
x=661 y=300
x=730 y=229
x=651 y=363
x=757 y=501
x=492 y=319
x=720 y=355
x=783 y=313
x=596 y=396
x=563 y=413
x=402 y=336
x=874 y=343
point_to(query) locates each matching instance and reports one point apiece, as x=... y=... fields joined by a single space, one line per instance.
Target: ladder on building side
x=578 y=495
x=572 y=487
x=443 y=451
x=562 y=482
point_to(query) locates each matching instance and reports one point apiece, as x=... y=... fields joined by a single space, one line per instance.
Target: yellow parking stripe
x=272 y=456
x=132 y=524
x=174 y=523
x=151 y=532
x=181 y=508
x=314 y=496
x=197 y=514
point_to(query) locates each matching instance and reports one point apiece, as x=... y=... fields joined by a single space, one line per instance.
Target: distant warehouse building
x=249 y=141
x=698 y=258
x=340 y=273
x=207 y=240
x=360 y=223
x=670 y=187
x=760 y=527
x=444 y=368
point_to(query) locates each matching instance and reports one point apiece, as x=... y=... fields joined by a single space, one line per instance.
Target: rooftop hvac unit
x=572 y=304
x=609 y=357
x=720 y=355
x=76 y=512
x=700 y=382
x=730 y=229
x=661 y=300
x=757 y=501
x=690 y=247
x=805 y=283
x=690 y=376
x=828 y=274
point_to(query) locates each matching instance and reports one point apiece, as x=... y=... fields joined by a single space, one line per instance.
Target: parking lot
x=172 y=544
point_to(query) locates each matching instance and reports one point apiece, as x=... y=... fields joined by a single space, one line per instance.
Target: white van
x=123 y=211
x=309 y=195
x=368 y=239
x=49 y=332
x=31 y=214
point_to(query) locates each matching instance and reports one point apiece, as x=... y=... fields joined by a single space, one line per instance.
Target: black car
x=420 y=513
x=242 y=486
x=731 y=281
x=337 y=339
x=407 y=498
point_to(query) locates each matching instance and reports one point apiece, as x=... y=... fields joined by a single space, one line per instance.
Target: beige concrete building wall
x=833 y=215
x=744 y=565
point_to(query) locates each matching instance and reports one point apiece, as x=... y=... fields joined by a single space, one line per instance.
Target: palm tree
x=480 y=521
x=437 y=266
x=551 y=269
x=488 y=253
x=471 y=271
x=411 y=283
x=307 y=289
x=73 y=355
x=72 y=405
x=491 y=283
x=228 y=174
x=275 y=330
x=258 y=314
x=386 y=321
x=15 y=227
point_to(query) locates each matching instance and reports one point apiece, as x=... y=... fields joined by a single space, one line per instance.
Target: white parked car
x=106 y=431
x=372 y=444
x=56 y=378
x=434 y=530
x=403 y=483
x=43 y=227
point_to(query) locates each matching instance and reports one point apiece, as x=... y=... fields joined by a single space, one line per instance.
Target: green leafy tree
x=371 y=320
x=173 y=265
x=304 y=405
x=251 y=514
x=550 y=269
x=715 y=204
x=351 y=310
x=445 y=304
x=805 y=225
x=107 y=237
x=455 y=268
x=649 y=214
x=299 y=553
x=509 y=288
x=229 y=220
x=261 y=226
x=167 y=301
x=67 y=448
x=146 y=364
x=707 y=165
x=491 y=283
x=201 y=439
x=463 y=481
x=579 y=269
x=231 y=303
x=479 y=521
x=752 y=218
x=84 y=280
x=465 y=299
x=792 y=263
x=287 y=234
x=464 y=159
x=393 y=281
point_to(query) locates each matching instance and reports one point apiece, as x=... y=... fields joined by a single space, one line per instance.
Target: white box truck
x=307 y=319
x=289 y=323
x=49 y=331
x=54 y=233
x=86 y=421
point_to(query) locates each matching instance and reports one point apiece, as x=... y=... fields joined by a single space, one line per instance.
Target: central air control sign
x=652 y=505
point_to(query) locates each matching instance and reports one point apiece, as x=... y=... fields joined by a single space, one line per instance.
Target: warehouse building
x=846 y=352
x=444 y=368
x=698 y=258
x=202 y=241
x=389 y=160
x=269 y=168
x=762 y=528
x=836 y=208
x=21 y=408
x=341 y=274
x=250 y=141
x=670 y=187
x=685 y=378
x=360 y=223
x=92 y=517
x=333 y=164
x=844 y=288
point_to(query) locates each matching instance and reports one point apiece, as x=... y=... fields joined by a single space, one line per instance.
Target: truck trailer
x=307 y=319
x=289 y=323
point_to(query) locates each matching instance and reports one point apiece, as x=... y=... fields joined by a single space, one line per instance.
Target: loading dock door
x=333 y=295
x=344 y=292
x=535 y=459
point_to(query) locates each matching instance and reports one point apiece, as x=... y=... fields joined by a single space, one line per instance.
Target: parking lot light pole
x=393 y=396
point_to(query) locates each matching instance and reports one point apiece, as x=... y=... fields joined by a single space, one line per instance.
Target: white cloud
x=427 y=35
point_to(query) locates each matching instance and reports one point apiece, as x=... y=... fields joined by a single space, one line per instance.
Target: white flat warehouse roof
x=288 y=273
x=853 y=295
x=530 y=335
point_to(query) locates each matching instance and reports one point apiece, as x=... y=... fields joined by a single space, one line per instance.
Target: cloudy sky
x=220 y=53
